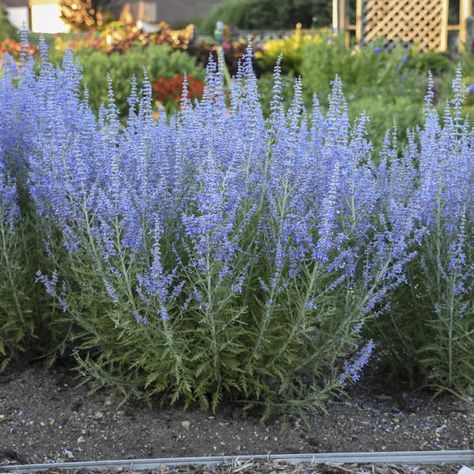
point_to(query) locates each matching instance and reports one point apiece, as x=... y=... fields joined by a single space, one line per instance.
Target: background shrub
x=268 y=14
x=167 y=90
x=156 y=60
x=387 y=85
x=7 y=30
x=291 y=49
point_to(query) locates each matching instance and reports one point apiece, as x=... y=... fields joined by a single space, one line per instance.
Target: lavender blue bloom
x=222 y=207
x=353 y=369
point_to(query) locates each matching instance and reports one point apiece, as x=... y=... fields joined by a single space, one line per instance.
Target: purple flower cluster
x=352 y=369
x=220 y=203
x=9 y=209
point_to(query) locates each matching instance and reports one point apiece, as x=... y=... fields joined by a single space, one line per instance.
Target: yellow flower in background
x=60 y=44
x=291 y=46
x=356 y=50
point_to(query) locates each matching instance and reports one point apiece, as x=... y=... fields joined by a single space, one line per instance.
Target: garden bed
x=225 y=255
x=45 y=418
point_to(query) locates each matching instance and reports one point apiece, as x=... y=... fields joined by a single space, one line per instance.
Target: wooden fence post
x=465 y=11
x=443 y=44
x=470 y=32
x=340 y=17
x=359 y=30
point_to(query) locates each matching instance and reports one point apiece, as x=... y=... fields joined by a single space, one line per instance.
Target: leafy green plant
x=16 y=323
x=7 y=30
x=154 y=60
x=268 y=14
x=291 y=48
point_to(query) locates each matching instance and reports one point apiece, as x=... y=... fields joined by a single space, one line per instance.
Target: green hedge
x=268 y=14
x=156 y=60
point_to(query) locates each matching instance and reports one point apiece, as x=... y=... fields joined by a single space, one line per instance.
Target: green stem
x=125 y=273
x=450 y=333
x=211 y=320
x=301 y=314
x=11 y=280
x=358 y=307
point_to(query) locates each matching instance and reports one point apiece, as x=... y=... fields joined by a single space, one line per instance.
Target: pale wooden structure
x=423 y=22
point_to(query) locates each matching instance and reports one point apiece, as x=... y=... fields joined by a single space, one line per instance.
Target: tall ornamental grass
x=224 y=254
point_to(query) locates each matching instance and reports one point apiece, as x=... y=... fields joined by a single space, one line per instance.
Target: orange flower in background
x=168 y=89
x=13 y=47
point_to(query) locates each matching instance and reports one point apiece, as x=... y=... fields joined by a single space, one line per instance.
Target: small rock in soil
x=368 y=421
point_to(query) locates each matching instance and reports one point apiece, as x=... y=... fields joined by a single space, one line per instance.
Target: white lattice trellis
x=411 y=21
x=421 y=22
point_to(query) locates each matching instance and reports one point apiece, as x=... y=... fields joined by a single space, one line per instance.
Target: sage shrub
x=224 y=253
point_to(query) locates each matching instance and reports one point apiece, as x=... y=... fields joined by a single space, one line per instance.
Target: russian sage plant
x=432 y=320
x=224 y=253
x=220 y=253
x=26 y=315
x=16 y=324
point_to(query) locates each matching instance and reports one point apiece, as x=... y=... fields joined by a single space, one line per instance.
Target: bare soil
x=44 y=417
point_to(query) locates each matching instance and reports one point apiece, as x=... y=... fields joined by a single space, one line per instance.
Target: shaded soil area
x=45 y=418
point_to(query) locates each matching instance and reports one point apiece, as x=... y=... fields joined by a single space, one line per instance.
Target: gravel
x=45 y=418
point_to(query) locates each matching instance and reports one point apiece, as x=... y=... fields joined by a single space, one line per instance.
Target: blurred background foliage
x=387 y=85
x=159 y=62
x=268 y=14
x=7 y=30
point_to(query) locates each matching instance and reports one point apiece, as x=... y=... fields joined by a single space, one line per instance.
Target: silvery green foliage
x=432 y=325
x=15 y=317
x=223 y=252
x=25 y=316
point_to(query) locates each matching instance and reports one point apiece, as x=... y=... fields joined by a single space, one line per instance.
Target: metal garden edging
x=394 y=457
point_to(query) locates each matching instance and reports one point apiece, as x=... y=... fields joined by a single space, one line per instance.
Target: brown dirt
x=45 y=418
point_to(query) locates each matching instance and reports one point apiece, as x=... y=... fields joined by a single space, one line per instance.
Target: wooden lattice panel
x=411 y=21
